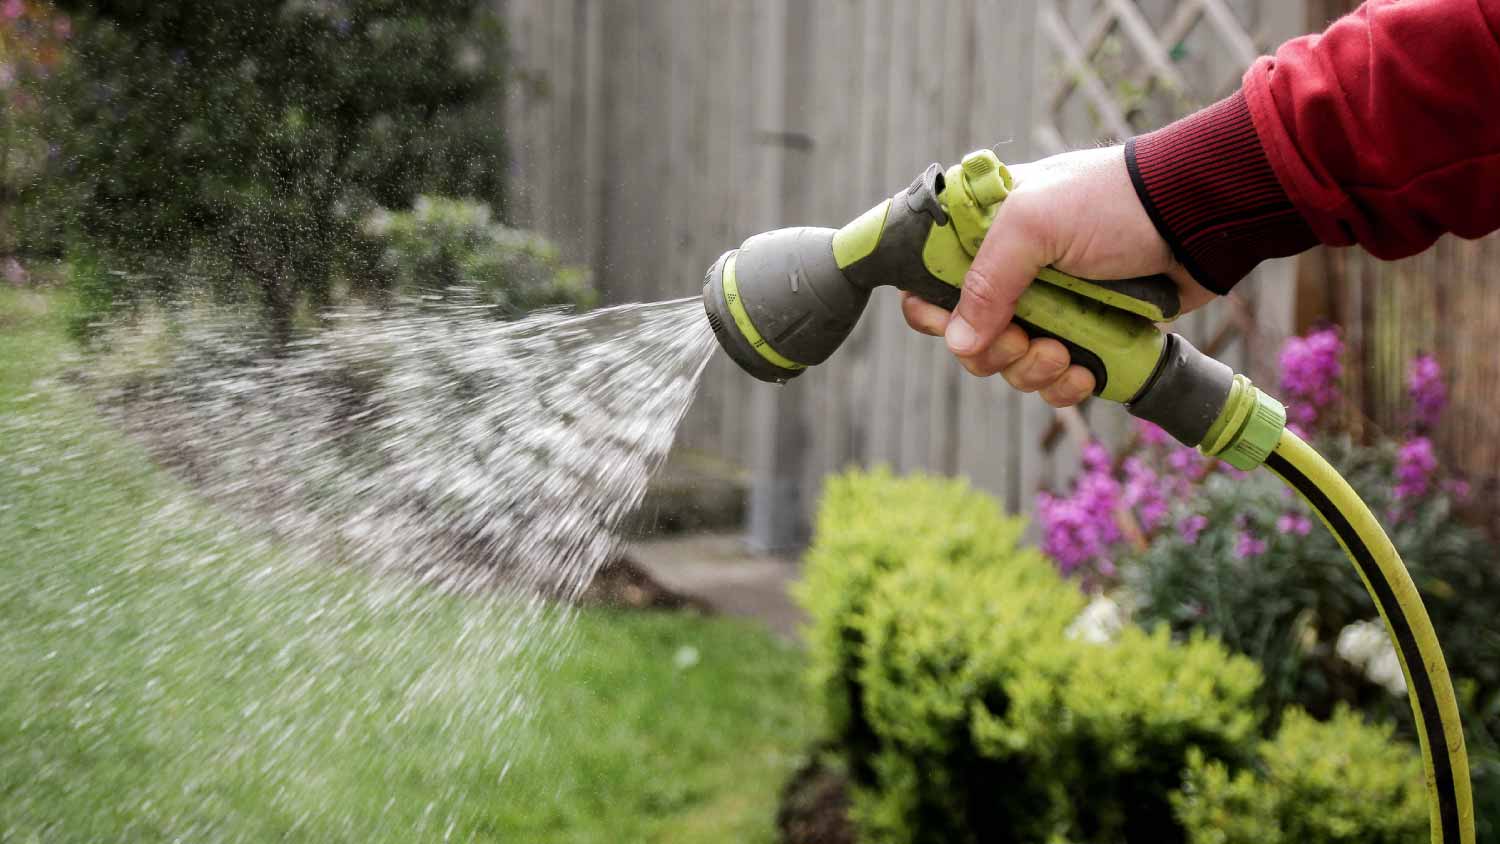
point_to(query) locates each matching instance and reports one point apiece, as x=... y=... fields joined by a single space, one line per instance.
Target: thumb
x=1007 y=262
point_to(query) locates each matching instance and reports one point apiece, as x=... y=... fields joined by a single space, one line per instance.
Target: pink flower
x=1150 y=433
x=1458 y=488
x=1424 y=385
x=12 y=9
x=1311 y=368
x=1415 y=464
x=1294 y=524
x=1191 y=526
x=1096 y=457
x=1247 y=545
x=1079 y=530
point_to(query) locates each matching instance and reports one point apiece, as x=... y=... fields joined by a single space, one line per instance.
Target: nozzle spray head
x=779 y=303
x=787 y=298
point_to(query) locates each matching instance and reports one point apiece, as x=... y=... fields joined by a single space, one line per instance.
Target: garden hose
x=786 y=299
x=1444 y=757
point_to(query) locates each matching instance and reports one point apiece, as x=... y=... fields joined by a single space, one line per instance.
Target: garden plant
x=1173 y=541
x=970 y=698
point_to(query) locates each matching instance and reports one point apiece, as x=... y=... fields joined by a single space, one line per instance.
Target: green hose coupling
x=1248 y=427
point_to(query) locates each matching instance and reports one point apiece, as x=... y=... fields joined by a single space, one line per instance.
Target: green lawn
x=165 y=675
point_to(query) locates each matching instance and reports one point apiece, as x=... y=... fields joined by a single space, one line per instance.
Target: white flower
x=1365 y=645
x=1100 y=622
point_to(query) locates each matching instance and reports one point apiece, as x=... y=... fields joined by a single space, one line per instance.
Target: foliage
x=1242 y=558
x=263 y=131
x=441 y=243
x=961 y=706
x=1316 y=782
x=172 y=674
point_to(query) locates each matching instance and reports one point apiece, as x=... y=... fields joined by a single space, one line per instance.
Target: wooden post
x=778 y=518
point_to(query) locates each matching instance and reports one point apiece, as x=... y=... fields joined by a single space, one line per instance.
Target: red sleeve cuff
x=1207 y=185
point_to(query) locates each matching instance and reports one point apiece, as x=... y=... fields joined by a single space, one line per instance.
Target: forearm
x=1384 y=131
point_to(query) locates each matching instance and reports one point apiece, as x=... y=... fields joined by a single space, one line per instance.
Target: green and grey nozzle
x=786 y=299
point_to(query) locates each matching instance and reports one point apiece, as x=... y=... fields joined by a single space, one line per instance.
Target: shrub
x=1315 y=783
x=964 y=712
x=445 y=242
x=264 y=131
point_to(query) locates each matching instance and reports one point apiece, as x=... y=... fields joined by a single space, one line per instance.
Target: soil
x=624 y=583
x=815 y=807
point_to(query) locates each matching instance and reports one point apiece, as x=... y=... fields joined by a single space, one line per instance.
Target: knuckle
x=981 y=289
x=1051 y=357
x=1015 y=378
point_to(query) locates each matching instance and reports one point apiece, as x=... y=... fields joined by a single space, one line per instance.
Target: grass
x=165 y=674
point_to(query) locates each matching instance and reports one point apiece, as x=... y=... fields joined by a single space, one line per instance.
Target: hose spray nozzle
x=786 y=299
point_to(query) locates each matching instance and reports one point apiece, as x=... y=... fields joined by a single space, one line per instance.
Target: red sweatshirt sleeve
x=1383 y=131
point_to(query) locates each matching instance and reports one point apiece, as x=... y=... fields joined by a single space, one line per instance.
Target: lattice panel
x=1114 y=68
x=1110 y=69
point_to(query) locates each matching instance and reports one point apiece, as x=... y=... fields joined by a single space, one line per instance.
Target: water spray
x=786 y=299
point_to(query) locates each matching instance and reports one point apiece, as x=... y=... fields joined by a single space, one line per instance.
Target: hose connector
x=1248 y=427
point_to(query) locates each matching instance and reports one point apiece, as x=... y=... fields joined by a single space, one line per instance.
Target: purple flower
x=1458 y=488
x=1247 y=545
x=1191 y=526
x=1096 y=457
x=1145 y=494
x=1415 y=464
x=1311 y=368
x=1071 y=534
x=1424 y=384
x=1150 y=433
x=1079 y=529
x=1294 y=524
x=12 y=9
x=1187 y=463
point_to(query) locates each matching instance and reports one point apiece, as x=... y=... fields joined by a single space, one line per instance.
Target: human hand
x=1077 y=212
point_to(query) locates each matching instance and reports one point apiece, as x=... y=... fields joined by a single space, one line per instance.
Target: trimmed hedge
x=964 y=712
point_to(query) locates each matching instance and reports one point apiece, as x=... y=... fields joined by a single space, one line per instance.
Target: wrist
x=1209 y=189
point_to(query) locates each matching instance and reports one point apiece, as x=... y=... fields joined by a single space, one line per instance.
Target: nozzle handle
x=1152 y=296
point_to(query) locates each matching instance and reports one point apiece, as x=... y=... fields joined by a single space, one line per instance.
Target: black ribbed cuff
x=1208 y=187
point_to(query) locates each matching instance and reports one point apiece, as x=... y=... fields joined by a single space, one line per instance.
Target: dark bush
x=264 y=132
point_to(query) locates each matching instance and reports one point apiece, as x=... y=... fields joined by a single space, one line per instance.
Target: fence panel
x=650 y=135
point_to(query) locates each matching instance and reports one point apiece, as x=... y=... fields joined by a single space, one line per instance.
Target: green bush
x=1315 y=783
x=444 y=242
x=263 y=132
x=962 y=709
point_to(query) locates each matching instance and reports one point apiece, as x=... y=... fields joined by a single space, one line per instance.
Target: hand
x=1078 y=212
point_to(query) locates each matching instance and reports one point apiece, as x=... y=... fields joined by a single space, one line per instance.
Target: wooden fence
x=1442 y=302
x=651 y=135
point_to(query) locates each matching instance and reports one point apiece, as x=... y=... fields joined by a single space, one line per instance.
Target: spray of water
x=429 y=440
x=433 y=448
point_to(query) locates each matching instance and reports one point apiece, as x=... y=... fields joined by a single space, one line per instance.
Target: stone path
x=719 y=570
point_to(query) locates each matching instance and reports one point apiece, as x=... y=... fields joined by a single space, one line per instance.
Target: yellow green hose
x=1432 y=700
